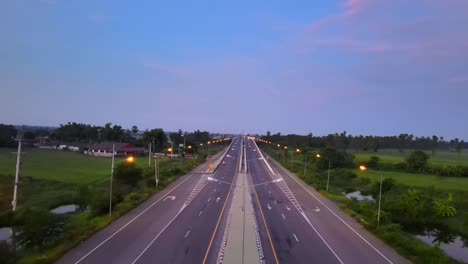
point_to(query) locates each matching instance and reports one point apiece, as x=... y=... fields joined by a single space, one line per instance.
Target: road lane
x=186 y=239
x=294 y=241
x=129 y=235
x=338 y=228
x=349 y=240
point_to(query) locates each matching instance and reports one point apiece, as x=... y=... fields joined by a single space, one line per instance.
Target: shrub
x=100 y=203
x=83 y=197
x=128 y=173
x=373 y=162
x=417 y=160
x=35 y=227
x=339 y=159
x=7 y=256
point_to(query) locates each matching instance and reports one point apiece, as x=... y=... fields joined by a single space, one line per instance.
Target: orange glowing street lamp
x=298 y=150
x=364 y=168
x=318 y=156
x=189 y=147
x=130 y=159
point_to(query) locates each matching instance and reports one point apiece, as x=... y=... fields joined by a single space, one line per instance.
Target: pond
x=65 y=209
x=5 y=234
x=358 y=196
x=452 y=244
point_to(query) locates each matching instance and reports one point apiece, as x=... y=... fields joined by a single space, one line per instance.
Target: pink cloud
x=353 y=7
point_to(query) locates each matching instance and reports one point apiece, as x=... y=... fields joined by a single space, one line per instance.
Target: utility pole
x=112 y=176
x=328 y=177
x=380 y=200
x=305 y=162
x=156 y=171
x=18 y=164
x=149 y=155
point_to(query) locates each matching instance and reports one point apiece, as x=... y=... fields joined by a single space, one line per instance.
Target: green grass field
x=419 y=180
x=441 y=157
x=51 y=177
x=62 y=166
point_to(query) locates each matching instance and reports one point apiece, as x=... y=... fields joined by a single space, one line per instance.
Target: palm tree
x=445 y=208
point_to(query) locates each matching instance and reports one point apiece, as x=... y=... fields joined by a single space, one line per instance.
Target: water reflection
x=440 y=236
x=65 y=209
x=5 y=234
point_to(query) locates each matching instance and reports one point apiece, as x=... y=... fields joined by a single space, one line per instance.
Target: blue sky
x=364 y=66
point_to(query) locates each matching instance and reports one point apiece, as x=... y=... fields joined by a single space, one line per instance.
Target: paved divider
x=241 y=240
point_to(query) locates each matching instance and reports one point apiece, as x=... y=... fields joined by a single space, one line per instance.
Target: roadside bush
x=128 y=173
x=6 y=254
x=100 y=203
x=339 y=159
x=417 y=160
x=133 y=198
x=387 y=185
x=342 y=178
x=35 y=227
x=83 y=197
x=407 y=245
x=373 y=162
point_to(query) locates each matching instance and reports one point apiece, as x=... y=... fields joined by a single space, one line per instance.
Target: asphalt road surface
x=186 y=221
x=301 y=226
x=160 y=231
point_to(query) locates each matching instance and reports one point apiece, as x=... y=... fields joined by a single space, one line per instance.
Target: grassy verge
x=51 y=178
x=419 y=180
x=404 y=243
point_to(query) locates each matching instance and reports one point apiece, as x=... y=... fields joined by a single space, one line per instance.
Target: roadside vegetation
x=421 y=192
x=53 y=178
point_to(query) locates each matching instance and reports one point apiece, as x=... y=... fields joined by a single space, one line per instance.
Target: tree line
x=73 y=132
x=344 y=141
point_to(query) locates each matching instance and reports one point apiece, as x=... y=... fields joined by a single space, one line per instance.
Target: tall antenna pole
x=18 y=163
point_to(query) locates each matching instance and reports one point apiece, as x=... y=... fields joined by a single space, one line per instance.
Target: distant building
x=121 y=149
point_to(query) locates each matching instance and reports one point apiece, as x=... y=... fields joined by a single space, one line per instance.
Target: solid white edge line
x=154 y=239
x=344 y=222
x=302 y=213
x=190 y=175
x=133 y=219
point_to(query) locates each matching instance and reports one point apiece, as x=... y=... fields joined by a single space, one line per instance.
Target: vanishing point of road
x=248 y=210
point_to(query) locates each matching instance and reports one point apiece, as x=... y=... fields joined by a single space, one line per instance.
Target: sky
x=371 y=67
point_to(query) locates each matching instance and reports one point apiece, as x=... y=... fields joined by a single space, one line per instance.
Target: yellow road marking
x=264 y=222
x=219 y=220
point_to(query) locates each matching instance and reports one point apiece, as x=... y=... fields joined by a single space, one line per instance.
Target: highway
x=189 y=221
x=181 y=224
x=299 y=225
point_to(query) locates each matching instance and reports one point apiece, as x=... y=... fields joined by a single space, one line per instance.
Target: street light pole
x=305 y=162
x=363 y=168
x=328 y=177
x=156 y=171
x=18 y=164
x=329 y=168
x=149 y=155
x=111 y=178
x=380 y=200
